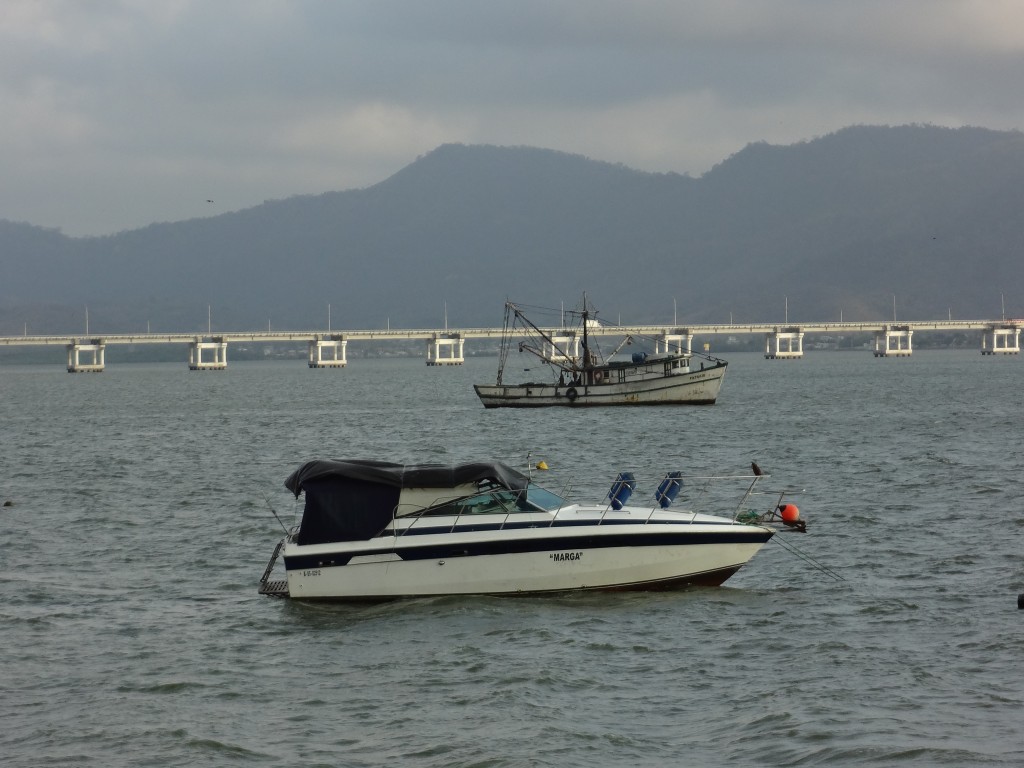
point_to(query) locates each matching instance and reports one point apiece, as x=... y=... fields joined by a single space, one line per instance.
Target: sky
x=116 y=115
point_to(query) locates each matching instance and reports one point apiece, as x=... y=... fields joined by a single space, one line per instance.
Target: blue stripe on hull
x=519 y=546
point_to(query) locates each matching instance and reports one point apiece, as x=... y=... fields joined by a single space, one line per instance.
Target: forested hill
x=840 y=224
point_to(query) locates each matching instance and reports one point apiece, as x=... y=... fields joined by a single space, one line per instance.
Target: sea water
x=139 y=524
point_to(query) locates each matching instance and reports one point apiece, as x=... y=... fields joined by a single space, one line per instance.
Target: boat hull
x=699 y=387
x=528 y=562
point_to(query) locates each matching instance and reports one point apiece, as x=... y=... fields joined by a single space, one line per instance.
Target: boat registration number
x=313 y=572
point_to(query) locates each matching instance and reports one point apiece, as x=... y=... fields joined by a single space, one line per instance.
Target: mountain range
x=869 y=222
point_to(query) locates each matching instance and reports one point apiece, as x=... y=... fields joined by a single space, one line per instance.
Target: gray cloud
x=120 y=114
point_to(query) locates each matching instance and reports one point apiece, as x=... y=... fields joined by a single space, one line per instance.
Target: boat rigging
x=581 y=375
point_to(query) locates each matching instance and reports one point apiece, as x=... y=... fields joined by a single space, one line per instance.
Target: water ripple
x=132 y=633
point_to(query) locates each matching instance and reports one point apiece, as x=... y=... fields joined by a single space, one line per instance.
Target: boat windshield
x=501 y=502
x=543 y=498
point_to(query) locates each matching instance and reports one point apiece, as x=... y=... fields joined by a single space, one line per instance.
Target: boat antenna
x=273 y=512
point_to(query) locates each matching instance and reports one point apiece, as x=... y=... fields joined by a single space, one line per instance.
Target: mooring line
x=808 y=559
x=274 y=513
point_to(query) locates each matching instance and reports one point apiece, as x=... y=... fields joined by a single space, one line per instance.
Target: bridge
x=328 y=349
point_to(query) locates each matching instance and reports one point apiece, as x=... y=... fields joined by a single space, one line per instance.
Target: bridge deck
x=411 y=334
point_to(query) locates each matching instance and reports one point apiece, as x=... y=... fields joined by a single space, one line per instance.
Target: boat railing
x=712 y=491
x=564 y=497
x=461 y=508
x=415 y=514
x=695 y=490
x=416 y=511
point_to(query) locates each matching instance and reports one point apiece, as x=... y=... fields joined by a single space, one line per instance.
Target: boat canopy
x=350 y=500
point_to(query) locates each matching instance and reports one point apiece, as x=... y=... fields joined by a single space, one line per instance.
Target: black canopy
x=355 y=499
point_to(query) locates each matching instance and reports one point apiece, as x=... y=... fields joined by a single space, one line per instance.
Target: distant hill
x=840 y=224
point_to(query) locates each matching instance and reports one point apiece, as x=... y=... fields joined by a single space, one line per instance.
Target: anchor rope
x=816 y=564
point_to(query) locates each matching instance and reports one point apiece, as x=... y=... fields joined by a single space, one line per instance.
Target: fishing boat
x=581 y=376
x=372 y=530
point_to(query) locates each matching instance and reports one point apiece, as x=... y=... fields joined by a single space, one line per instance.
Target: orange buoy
x=789 y=513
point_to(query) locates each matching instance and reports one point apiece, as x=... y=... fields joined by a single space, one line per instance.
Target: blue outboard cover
x=669 y=489
x=622 y=489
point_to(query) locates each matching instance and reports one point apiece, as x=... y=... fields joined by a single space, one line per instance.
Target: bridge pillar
x=674 y=341
x=217 y=346
x=335 y=345
x=563 y=348
x=784 y=344
x=445 y=349
x=1001 y=340
x=94 y=347
x=894 y=341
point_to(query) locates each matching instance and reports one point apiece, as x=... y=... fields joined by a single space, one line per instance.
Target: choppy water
x=132 y=634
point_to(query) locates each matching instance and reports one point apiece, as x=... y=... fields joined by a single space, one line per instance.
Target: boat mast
x=506 y=339
x=534 y=329
x=586 y=340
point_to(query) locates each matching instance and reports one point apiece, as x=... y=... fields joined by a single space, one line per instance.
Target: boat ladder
x=273 y=588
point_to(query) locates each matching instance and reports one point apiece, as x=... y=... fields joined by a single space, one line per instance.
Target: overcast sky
x=114 y=115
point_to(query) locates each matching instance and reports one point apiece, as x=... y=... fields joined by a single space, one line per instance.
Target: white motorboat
x=375 y=531
x=583 y=377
